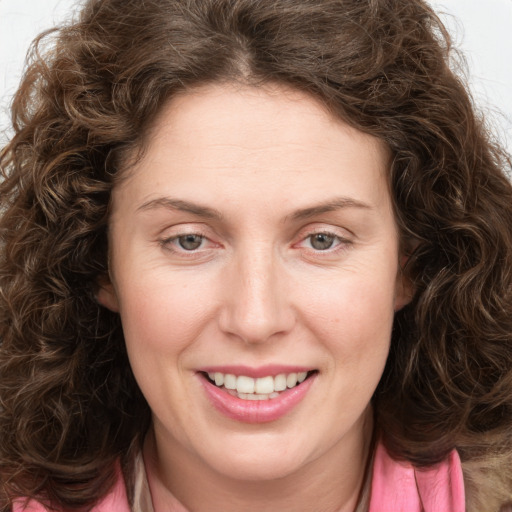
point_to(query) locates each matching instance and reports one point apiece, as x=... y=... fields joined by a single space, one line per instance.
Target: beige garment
x=142 y=501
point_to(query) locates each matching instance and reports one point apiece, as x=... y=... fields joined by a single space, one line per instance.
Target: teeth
x=254 y=396
x=280 y=382
x=229 y=381
x=263 y=388
x=245 y=384
x=291 y=380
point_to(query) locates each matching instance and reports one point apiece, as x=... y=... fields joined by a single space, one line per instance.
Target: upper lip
x=256 y=372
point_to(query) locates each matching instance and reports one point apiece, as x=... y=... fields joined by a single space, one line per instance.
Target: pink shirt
x=396 y=487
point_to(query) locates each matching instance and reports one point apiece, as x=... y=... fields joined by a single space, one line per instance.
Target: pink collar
x=396 y=487
x=399 y=487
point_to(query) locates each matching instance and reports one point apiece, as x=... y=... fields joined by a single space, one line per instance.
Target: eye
x=322 y=241
x=189 y=242
x=186 y=243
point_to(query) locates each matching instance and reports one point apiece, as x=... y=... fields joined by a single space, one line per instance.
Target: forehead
x=251 y=116
x=256 y=138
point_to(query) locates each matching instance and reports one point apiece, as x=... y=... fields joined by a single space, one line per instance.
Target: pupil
x=322 y=241
x=190 y=242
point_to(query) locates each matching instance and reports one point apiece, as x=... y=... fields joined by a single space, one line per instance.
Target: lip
x=255 y=372
x=255 y=411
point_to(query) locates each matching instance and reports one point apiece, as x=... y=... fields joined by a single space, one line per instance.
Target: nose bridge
x=256 y=307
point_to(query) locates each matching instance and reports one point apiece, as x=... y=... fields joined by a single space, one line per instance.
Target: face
x=254 y=245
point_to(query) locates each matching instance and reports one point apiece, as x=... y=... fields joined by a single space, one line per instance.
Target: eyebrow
x=211 y=213
x=181 y=205
x=332 y=205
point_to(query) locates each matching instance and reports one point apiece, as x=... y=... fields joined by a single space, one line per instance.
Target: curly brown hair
x=70 y=407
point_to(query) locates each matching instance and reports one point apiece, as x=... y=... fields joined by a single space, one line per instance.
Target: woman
x=255 y=256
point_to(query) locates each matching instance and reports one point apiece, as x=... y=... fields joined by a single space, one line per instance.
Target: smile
x=262 y=388
x=266 y=396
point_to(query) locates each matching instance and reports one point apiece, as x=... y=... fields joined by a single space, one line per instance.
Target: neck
x=333 y=482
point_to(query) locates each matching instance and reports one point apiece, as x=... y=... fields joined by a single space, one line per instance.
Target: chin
x=259 y=464
x=258 y=470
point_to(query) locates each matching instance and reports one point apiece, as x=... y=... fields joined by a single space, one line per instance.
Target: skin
x=256 y=291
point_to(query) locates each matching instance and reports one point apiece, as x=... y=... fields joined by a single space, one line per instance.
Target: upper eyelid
x=338 y=231
x=167 y=239
x=178 y=230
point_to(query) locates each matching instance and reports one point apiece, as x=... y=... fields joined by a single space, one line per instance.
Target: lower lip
x=256 y=411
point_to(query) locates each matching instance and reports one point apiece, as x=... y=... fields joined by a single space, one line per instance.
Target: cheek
x=163 y=315
x=352 y=299
x=354 y=316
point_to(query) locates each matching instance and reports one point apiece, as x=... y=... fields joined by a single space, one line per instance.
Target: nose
x=256 y=306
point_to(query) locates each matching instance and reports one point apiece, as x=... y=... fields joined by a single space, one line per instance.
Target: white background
x=481 y=28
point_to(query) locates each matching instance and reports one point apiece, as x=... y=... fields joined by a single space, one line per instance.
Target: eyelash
x=170 y=244
x=340 y=243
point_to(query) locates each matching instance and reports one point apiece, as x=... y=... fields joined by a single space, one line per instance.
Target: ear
x=106 y=294
x=404 y=289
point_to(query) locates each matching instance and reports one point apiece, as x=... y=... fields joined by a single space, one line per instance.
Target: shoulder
x=116 y=500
